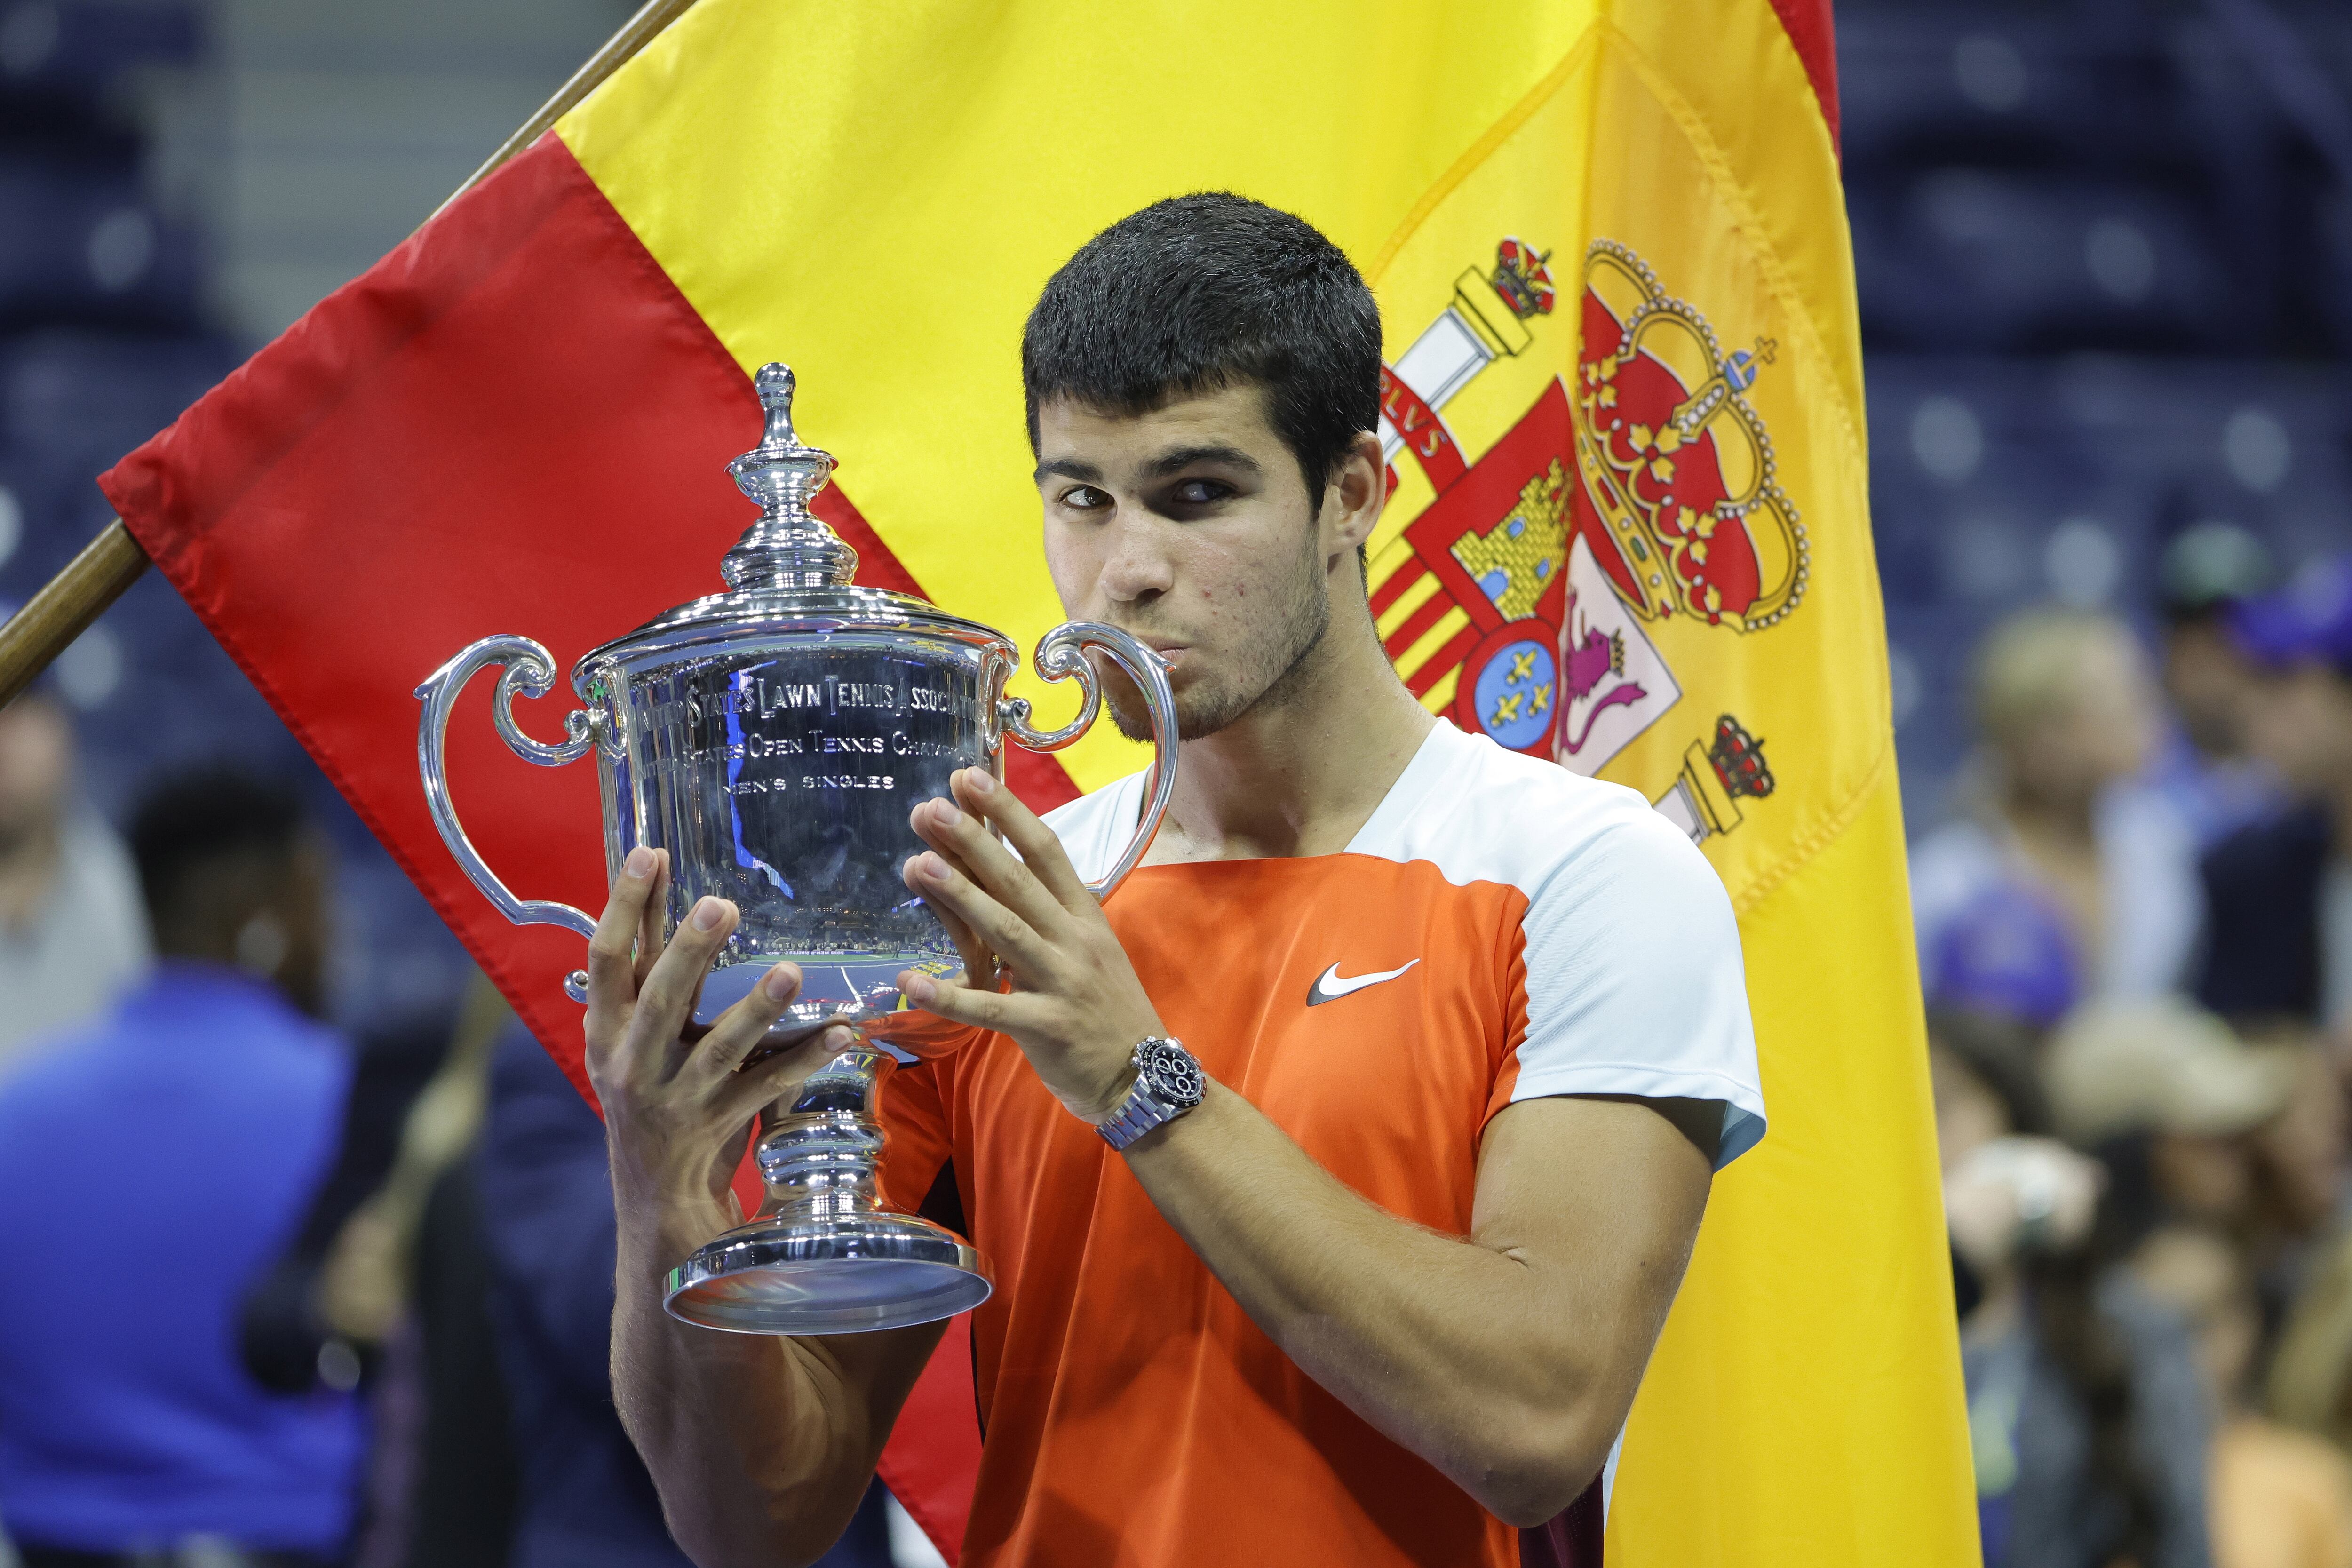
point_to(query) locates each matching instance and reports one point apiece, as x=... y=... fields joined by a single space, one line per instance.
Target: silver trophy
x=774 y=739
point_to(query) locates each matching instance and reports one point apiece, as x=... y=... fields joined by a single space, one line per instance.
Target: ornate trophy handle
x=525 y=671
x=1061 y=654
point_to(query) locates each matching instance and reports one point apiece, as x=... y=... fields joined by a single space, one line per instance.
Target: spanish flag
x=1628 y=532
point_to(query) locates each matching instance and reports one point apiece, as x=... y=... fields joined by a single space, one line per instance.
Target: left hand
x=1075 y=1006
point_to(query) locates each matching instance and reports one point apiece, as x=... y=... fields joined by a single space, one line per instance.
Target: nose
x=1136 y=569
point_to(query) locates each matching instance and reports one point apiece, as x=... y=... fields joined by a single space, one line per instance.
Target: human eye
x=1084 y=498
x=1200 y=492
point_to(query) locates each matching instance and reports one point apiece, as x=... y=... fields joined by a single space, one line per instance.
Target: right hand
x=678 y=1113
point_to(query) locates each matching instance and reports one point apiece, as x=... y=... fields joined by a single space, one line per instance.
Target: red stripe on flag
x=1813 y=31
x=513 y=423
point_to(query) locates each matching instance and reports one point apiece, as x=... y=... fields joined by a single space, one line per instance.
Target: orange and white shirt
x=1500 y=930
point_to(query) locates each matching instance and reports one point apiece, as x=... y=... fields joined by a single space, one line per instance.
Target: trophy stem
x=828 y=1254
x=823 y=1158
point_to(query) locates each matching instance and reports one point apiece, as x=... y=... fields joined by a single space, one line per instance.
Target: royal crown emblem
x=1522 y=278
x=1679 y=500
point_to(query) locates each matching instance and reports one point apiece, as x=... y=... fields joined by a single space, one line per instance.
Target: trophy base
x=845 y=1276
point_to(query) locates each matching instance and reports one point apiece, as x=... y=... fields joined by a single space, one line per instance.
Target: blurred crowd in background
x=306 y=1250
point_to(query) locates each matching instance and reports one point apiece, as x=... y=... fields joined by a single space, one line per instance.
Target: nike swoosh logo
x=1329 y=986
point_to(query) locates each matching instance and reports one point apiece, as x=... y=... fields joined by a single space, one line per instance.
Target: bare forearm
x=760 y=1447
x=1510 y=1376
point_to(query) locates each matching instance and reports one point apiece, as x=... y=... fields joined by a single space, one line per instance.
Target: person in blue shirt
x=151 y=1164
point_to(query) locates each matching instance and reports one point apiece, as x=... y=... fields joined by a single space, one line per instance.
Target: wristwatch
x=1168 y=1083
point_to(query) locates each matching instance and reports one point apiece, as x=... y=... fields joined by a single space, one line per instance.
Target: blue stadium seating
x=82 y=244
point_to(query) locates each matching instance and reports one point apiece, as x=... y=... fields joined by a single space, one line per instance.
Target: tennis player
x=1339 y=1173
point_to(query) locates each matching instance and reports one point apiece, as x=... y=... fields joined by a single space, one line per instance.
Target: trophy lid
x=789 y=573
x=789 y=546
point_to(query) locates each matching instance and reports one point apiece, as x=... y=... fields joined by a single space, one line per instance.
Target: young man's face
x=1191 y=526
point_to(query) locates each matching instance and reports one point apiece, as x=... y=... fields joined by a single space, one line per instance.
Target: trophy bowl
x=774 y=739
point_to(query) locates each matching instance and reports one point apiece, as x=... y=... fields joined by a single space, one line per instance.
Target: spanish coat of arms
x=1641 y=490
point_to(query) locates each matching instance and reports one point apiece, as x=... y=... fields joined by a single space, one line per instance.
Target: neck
x=1303 y=770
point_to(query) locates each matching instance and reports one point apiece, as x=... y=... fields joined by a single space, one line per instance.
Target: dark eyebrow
x=1069 y=468
x=1184 y=457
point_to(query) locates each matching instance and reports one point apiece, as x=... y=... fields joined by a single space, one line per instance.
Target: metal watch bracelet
x=1168 y=1083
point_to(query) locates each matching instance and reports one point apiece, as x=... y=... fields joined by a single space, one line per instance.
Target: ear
x=1353 y=501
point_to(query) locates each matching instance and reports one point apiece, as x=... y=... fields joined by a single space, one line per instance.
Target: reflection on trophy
x=774 y=739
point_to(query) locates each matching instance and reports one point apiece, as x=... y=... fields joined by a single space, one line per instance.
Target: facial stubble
x=1269 y=670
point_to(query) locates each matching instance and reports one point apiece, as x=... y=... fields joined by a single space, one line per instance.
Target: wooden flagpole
x=67 y=603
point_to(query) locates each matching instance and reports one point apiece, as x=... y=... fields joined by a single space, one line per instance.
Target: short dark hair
x=206 y=813
x=1198 y=293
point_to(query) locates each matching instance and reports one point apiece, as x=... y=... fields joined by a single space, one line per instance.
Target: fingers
x=963 y=837
x=945 y=887
x=969 y=1004
x=1041 y=850
x=762 y=1084
x=612 y=976
x=738 y=1031
x=979 y=961
x=667 y=995
x=649 y=932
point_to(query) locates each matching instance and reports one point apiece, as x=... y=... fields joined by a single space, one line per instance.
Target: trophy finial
x=789 y=546
x=775 y=383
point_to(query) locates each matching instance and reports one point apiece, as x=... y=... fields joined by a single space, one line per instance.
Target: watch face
x=1171 y=1072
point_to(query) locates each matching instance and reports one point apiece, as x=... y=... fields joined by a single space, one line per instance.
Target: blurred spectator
x=2202 y=766
x=2310 y=1381
x=2178 y=1079
x=150 y=1165
x=389 y=1272
x=2203 y=1128
x=2280 y=893
x=2277 y=1498
x=2084 y=1412
x=2064 y=881
x=71 y=934
x=546 y=1202
x=2299 y=1154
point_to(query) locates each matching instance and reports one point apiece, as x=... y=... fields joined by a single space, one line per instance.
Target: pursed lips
x=1168 y=648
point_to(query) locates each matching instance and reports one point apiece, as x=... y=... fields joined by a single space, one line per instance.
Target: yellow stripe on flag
x=826 y=186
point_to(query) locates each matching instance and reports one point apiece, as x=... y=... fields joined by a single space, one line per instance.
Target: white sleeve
x=1634 y=980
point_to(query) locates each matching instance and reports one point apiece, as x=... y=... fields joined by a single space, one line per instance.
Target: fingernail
x=982 y=780
x=931 y=866
x=945 y=814
x=840 y=1037
x=920 y=991
x=780 y=984
x=708 y=912
x=640 y=863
